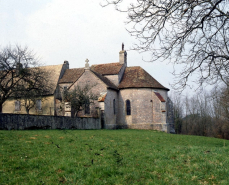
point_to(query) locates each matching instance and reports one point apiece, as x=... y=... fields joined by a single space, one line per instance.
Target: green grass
x=111 y=157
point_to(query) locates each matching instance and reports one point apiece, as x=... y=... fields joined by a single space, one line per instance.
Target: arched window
x=128 y=107
x=114 y=106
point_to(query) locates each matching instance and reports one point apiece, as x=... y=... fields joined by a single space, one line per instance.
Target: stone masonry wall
x=109 y=115
x=146 y=109
x=113 y=79
x=47 y=107
x=97 y=85
x=25 y=122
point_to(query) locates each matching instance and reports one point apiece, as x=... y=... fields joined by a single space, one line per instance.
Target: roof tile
x=107 y=69
x=53 y=74
x=136 y=77
x=71 y=75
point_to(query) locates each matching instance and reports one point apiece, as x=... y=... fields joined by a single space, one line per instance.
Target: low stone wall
x=26 y=122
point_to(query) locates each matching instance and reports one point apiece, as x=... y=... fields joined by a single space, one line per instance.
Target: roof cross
x=86 y=65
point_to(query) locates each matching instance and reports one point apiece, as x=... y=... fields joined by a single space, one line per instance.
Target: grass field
x=111 y=157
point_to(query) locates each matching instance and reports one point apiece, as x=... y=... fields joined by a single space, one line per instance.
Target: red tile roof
x=136 y=77
x=107 y=69
x=71 y=75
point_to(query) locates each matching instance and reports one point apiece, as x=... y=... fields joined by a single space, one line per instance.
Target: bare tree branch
x=192 y=33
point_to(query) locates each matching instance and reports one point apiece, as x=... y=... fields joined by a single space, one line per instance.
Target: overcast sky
x=73 y=30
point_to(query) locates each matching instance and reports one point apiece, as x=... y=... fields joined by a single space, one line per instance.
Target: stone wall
x=147 y=111
x=145 y=107
x=47 y=107
x=25 y=122
x=113 y=79
x=109 y=115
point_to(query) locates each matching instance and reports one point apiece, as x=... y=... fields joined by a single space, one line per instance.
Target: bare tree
x=80 y=98
x=20 y=76
x=33 y=88
x=220 y=96
x=178 y=111
x=194 y=33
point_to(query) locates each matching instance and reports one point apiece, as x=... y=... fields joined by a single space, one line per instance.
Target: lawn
x=111 y=157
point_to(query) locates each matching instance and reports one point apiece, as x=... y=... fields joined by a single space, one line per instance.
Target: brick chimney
x=66 y=63
x=122 y=55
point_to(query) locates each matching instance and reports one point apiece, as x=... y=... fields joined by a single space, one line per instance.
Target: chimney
x=87 y=65
x=66 y=63
x=122 y=55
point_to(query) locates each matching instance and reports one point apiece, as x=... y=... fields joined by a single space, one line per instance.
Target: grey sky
x=72 y=30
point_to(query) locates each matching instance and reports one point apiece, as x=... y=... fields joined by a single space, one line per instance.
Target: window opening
x=128 y=107
x=17 y=105
x=38 y=104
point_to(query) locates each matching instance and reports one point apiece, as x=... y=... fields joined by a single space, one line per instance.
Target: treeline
x=203 y=114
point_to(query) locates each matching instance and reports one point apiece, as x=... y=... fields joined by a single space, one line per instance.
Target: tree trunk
x=27 y=110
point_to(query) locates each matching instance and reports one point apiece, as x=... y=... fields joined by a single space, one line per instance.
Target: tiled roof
x=136 y=77
x=107 y=69
x=53 y=74
x=71 y=75
x=106 y=81
x=49 y=73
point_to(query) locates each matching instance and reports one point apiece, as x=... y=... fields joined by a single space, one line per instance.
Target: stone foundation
x=157 y=126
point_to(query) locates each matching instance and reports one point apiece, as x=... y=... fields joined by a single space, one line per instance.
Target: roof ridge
x=51 y=65
x=106 y=63
x=76 y=68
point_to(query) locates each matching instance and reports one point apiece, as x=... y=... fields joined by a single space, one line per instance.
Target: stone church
x=129 y=97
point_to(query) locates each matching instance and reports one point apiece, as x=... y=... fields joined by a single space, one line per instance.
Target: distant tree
x=80 y=98
x=193 y=33
x=221 y=105
x=178 y=107
x=20 y=76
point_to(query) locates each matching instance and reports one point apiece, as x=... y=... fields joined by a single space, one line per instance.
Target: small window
x=114 y=106
x=128 y=107
x=17 y=105
x=87 y=108
x=38 y=104
x=65 y=88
